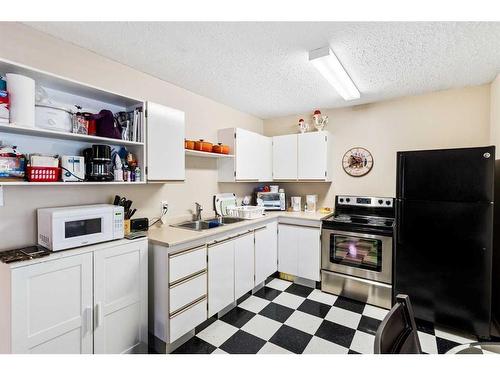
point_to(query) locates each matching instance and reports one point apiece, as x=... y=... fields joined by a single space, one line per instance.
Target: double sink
x=215 y=222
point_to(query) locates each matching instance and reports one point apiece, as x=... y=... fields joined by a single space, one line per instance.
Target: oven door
x=368 y=256
x=80 y=230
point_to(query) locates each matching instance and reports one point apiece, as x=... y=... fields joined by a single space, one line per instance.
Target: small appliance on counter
x=271 y=201
x=99 y=163
x=67 y=227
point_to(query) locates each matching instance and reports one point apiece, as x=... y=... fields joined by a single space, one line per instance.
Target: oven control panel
x=349 y=200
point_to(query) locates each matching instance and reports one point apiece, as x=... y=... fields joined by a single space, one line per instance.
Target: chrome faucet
x=197 y=216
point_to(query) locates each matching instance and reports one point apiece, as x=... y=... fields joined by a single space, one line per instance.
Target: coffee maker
x=98 y=162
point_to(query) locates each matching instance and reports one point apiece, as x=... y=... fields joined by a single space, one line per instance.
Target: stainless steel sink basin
x=207 y=224
x=196 y=225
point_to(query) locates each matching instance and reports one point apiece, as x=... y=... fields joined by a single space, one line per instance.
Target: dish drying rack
x=225 y=205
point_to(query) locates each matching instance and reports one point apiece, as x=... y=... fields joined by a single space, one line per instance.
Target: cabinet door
x=309 y=254
x=52 y=306
x=243 y=264
x=312 y=156
x=220 y=276
x=247 y=165
x=165 y=143
x=266 y=252
x=120 y=298
x=285 y=157
x=288 y=247
x=265 y=158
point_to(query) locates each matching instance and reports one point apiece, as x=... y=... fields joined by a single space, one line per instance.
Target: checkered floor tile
x=286 y=318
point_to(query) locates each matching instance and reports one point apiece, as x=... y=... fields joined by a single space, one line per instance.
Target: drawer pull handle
x=185 y=251
x=188 y=306
x=187 y=278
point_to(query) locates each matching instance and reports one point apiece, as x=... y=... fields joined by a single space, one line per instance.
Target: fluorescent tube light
x=330 y=67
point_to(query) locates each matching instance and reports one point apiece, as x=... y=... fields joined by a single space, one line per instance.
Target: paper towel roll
x=21 y=91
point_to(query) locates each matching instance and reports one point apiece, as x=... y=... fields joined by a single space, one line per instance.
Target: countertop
x=169 y=236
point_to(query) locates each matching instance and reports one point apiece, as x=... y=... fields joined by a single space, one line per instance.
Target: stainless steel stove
x=356 y=254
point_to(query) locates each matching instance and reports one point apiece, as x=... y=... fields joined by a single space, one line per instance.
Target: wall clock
x=357 y=162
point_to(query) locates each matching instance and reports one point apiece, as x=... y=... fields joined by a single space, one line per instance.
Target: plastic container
x=246 y=212
x=53 y=118
x=43 y=174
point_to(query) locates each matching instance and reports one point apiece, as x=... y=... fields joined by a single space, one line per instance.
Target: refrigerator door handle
x=399 y=220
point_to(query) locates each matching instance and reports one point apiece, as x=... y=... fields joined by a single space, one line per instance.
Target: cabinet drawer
x=188 y=319
x=186 y=262
x=187 y=291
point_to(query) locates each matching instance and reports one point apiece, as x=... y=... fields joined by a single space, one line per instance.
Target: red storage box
x=43 y=174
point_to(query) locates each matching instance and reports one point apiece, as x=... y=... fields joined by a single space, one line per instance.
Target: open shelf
x=66 y=136
x=61 y=183
x=203 y=154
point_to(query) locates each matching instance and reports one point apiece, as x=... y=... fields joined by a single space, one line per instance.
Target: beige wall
x=454 y=118
x=203 y=117
x=495 y=114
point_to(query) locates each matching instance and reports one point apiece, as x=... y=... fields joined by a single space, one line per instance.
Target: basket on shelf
x=246 y=212
x=43 y=174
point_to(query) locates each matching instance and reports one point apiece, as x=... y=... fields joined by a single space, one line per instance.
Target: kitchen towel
x=21 y=91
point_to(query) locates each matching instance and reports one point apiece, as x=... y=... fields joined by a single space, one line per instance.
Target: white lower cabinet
x=244 y=273
x=266 y=252
x=220 y=275
x=95 y=302
x=299 y=251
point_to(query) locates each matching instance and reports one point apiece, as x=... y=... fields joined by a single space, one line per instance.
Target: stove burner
x=377 y=221
x=343 y=218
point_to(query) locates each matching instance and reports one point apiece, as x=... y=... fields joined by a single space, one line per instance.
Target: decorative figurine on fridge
x=319 y=121
x=303 y=126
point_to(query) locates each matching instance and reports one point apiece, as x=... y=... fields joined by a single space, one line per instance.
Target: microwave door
x=82 y=230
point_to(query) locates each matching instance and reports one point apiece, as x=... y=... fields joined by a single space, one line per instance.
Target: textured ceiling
x=263 y=69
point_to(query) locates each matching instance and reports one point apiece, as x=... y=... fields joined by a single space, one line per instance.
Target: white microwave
x=67 y=227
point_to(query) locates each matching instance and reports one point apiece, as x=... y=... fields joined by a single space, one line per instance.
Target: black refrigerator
x=444 y=236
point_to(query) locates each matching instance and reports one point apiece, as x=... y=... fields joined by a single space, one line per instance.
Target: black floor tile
x=242 y=343
x=276 y=312
x=291 y=339
x=299 y=290
x=269 y=279
x=352 y=352
x=314 y=308
x=267 y=293
x=336 y=333
x=237 y=317
x=195 y=346
x=368 y=325
x=205 y=324
x=425 y=326
x=444 y=345
x=349 y=304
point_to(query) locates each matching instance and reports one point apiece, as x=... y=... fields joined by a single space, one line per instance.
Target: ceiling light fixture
x=330 y=67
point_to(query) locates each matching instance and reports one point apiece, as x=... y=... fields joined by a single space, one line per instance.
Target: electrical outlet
x=164 y=210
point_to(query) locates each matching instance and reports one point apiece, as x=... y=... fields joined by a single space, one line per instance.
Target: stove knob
x=380 y=201
x=341 y=200
x=388 y=202
x=348 y=200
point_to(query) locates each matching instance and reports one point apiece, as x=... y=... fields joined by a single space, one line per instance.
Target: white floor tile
x=428 y=342
x=270 y=348
x=343 y=317
x=455 y=337
x=375 y=312
x=254 y=304
x=219 y=351
x=289 y=300
x=279 y=284
x=319 y=296
x=319 y=346
x=262 y=327
x=363 y=342
x=304 y=322
x=217 y=333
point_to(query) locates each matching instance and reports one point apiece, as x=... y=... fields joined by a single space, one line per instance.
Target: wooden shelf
x=203 y=154
x=60 y=183
x=37 y=132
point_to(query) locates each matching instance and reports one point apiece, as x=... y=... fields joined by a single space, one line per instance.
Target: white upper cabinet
x=252 y=156
x=165 y=143
x=313 y=156
x=285 y=157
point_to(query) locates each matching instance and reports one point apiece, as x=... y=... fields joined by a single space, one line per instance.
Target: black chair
x=397 y=334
